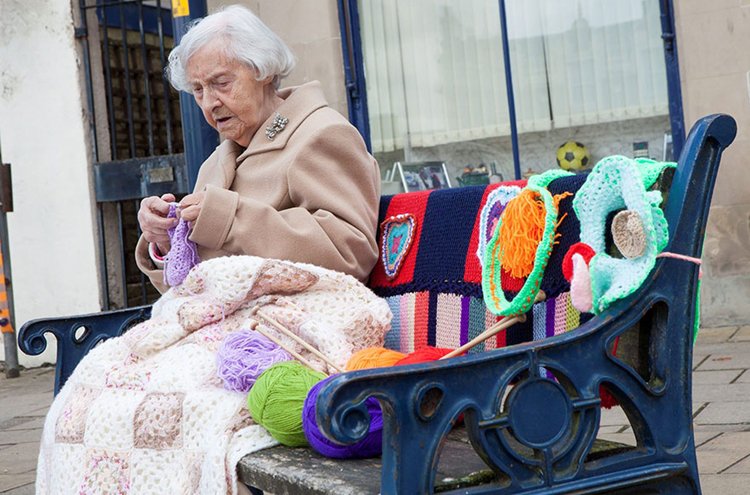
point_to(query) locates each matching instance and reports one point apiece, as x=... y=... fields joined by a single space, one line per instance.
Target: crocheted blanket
x=146 y=412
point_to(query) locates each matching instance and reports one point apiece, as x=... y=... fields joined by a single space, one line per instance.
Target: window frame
x=356 y=92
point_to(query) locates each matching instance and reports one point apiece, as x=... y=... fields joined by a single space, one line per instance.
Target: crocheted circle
x=494 y=297
x=497 y=200
x=586 y=252
x=628 y=233
x=619 y=183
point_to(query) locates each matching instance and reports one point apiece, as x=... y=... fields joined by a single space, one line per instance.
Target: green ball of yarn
x=277 y=398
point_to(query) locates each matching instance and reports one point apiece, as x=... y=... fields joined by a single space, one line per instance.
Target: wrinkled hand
x=153 y=220
x=190 y=206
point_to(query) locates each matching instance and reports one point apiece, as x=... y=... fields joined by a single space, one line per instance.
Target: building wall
x=43 y=136
x=311 y=29
x=713 y=40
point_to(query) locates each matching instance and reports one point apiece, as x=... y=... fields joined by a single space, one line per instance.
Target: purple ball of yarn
x=243 y=356
x=371 y=445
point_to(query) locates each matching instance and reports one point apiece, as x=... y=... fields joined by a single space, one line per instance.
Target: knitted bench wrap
x=435 y=292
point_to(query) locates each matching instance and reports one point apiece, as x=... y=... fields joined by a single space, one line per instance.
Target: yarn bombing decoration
x=424 y=355
x=277 y=398
x=371 y=444
x=615 y=184
x=373 y=357
x=243 y=356
x=398 y=234
x=183 y=253
x=522 y=244
x=497 y=200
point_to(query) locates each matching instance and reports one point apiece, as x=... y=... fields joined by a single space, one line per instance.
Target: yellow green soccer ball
x=572 y=155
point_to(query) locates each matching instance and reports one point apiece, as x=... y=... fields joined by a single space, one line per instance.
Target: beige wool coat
x=308 y=195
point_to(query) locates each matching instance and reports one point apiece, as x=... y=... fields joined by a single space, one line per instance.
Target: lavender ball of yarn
x=243 y=356
x=371 y=445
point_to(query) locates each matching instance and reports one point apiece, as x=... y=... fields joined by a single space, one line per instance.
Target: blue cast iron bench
x=522 y=433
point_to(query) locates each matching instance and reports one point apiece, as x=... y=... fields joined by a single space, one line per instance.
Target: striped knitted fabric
x=436 y=293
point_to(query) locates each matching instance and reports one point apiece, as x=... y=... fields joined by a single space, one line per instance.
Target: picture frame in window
x=423 y=176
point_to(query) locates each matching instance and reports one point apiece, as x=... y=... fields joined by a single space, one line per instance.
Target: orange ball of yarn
x=424 y=355
x=373 y=357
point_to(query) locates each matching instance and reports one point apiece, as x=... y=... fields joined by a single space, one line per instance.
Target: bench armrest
x=77 y=335
x=537 y=433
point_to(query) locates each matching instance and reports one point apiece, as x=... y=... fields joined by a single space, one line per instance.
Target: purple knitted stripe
x=550 y=320
x=465 y=307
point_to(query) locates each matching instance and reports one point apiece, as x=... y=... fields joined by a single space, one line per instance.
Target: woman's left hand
x=190 y=206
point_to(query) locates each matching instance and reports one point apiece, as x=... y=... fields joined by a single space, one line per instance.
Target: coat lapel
x=299 y=102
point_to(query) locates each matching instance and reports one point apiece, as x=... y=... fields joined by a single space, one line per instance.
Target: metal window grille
x=135 y=130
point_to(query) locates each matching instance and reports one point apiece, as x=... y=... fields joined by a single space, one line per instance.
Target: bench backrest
x=436 y=295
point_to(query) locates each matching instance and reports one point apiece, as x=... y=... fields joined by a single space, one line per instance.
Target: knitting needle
x=506 y=322
x=256 y=326
x=281 y=328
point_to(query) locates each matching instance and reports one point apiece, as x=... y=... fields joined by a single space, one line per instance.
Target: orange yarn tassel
x=522 y=230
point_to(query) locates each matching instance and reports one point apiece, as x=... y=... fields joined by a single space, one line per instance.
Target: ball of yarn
x=276 y=400
x=373 y=357
x=424 y=355
x=371 y=445
x=243 y=356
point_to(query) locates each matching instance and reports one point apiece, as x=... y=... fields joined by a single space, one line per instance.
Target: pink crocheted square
x=106 y=472
x=278 y=277
x=158 y=421
x=71 y=424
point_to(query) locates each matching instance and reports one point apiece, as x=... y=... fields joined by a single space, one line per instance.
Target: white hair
x=246 y=39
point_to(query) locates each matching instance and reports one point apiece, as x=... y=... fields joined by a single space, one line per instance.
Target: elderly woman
x=292 y=178
x=163 y=408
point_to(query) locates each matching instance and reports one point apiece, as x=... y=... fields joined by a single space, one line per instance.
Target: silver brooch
x=278 y=124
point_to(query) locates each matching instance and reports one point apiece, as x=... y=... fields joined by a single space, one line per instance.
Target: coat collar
x=299 y=102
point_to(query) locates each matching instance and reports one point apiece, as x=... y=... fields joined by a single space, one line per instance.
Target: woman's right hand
x=153 y=220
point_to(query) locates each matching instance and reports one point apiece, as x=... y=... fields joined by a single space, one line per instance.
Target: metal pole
x=354 y=68
x=509 y=90
x=199 y=137
x=7 y=318
x=674 y=91
x=8 y=323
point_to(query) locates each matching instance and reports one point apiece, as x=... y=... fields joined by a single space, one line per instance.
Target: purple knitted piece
x=371 y=445
x=243 y=356
x=183 y=253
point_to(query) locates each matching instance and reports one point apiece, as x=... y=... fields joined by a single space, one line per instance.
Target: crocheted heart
x=398 y=234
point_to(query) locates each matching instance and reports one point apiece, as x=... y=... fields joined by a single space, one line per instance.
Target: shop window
x=587 y=71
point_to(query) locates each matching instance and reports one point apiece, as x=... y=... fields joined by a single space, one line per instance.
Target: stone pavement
x=23 y=404
x=721 y=405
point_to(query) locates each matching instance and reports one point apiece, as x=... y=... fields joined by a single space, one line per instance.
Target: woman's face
x=232 y=100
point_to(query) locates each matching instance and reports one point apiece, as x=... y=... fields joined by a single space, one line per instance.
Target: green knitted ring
x=491 y=273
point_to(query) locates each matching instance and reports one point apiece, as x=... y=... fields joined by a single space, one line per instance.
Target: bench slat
x=305 y=472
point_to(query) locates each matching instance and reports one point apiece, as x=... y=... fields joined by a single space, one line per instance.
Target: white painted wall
x=43 y=136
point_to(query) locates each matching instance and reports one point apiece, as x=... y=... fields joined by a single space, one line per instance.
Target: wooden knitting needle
x=506 y=322
x=255 y=326
x=281 y=328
